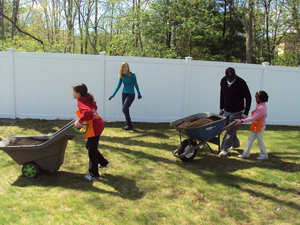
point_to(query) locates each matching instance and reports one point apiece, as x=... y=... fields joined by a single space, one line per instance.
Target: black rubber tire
x=185 y=146
x=30 y=170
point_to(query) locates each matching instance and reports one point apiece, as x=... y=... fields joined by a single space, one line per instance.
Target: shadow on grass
x=124 y=187
x=142 y=129
x=220 y=169
x=130 y=142
x=234 y=181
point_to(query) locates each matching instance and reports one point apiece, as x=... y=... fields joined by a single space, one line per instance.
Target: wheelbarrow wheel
x=30 y=170
x=184 y=147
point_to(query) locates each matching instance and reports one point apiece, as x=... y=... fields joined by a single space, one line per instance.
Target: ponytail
x=89 y=96
x=83 y=91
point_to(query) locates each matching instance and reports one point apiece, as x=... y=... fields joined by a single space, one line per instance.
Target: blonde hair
x=120 y=75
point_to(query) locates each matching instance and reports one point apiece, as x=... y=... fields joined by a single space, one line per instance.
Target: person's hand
x=221 y=113
x=78 y=125
x=139 y=96
x=110 y=98
x=237 y=122
x=244 y=116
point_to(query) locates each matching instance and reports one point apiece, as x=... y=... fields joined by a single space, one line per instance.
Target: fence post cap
x=188 y=58
x=102 y=53
x=10 y=49
x=266 y=63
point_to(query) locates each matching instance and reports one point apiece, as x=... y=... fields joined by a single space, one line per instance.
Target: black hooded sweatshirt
x=232 y=99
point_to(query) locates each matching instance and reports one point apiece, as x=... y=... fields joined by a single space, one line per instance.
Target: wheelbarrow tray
x=202 y=132
x=49 y=155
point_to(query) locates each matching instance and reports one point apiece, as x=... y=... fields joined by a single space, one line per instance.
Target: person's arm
x=248 y=98
x=117 y=88
x=259 y=112
x=86 y=112
x=136 y=85
x=221 y=100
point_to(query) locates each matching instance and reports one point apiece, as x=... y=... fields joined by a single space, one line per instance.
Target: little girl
x=257 y=126
x=87 y=113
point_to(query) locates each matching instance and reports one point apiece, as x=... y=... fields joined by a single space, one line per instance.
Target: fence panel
x=38 y=85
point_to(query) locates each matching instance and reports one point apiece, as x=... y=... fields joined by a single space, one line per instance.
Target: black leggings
x=95 y=156
x=127 y=100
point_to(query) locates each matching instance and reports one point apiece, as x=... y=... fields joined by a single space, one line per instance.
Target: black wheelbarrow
x=209 y=132
x=48 y=155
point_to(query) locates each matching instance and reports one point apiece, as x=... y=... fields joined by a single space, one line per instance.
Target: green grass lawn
x=146 y=184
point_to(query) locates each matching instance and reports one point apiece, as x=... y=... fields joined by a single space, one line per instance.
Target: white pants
x=251 y=139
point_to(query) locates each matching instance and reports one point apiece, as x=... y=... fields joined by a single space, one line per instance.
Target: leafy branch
x=20 y=30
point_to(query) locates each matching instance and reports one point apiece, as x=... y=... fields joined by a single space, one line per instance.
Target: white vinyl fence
x=38 y=85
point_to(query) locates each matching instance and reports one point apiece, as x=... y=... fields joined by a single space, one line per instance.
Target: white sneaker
x=223 y=153
x=262 y=157
x=243 y=156
x=233 y=148
x=107 y=165
x=89 y=177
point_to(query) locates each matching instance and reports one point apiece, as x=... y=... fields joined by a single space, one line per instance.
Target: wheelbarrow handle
x=83 y=129
x=228 y=126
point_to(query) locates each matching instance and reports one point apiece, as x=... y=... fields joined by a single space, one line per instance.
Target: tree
x=2 y=34
x=15 y=13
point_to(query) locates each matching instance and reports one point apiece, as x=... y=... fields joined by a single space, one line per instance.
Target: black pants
x=95 y=156
x=127 y=100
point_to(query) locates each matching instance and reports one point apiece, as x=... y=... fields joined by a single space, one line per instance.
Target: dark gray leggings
x=127 y=100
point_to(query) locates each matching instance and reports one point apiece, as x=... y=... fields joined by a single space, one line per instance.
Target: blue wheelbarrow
x=209 y=132
x=48 y=155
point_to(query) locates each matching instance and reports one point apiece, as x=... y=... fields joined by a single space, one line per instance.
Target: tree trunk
x=96 y=28
x=224 y=18
x=15 y=13
x=248 y=27
x=267 y=10
x=2 y=34
x=81 y=33
x=70 y=24
x=139 y=38
x=168 y=27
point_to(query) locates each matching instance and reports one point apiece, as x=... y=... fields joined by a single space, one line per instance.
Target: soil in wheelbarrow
x=25 y=141
x=197 y=122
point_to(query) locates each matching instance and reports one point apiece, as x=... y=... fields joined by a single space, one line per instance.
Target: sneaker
x=233 y=147
x=127 y=127
x=262 y=157
x=223 y=153
x=107 y=165
x=243 y=156
x=89 y=177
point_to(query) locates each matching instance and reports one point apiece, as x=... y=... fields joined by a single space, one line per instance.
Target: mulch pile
x=195 y=122
x=25 y=141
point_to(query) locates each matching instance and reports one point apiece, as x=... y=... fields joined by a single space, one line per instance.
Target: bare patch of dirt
x=195 y=122
x=25 y=141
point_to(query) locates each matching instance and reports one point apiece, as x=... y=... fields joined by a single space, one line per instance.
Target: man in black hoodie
x=235 y=102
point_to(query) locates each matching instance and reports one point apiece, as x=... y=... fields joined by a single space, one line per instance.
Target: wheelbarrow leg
x=216 y=142
x=176 y=150
x=210 y=148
